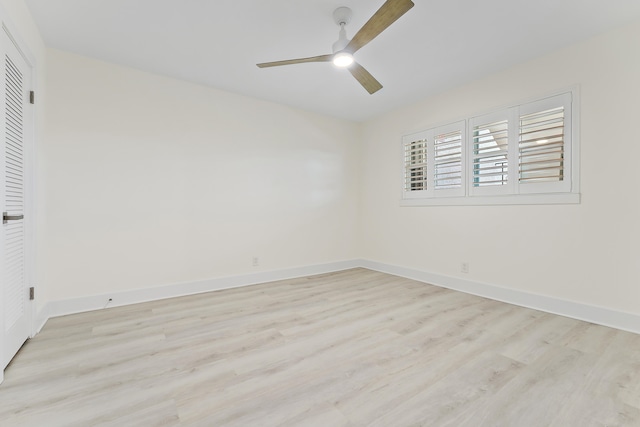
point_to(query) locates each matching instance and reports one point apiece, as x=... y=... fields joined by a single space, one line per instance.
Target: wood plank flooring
x=354 y=348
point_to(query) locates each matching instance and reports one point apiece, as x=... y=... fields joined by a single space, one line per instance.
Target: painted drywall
x=588 y=253
x=144 y=181
x=153 y=181
x=20 y=18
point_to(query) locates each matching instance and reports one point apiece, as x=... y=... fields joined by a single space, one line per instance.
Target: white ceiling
x=437 y=45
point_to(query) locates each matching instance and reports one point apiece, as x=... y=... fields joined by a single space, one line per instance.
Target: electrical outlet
x=255 y=261
x=464 y=267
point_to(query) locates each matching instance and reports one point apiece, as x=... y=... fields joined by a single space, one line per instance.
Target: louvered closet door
x=15 y=93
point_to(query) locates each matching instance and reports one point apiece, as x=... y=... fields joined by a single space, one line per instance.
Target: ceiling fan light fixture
x=342 y=59
x=343 y=48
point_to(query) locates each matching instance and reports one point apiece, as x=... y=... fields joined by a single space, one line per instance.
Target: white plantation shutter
x=433 y=162
x=527 y=150
x=544 y=156
x=491 y=156
x=490 y=149
x=448 y=160
x=448 y=154
x=541 y=146
x=415 y=165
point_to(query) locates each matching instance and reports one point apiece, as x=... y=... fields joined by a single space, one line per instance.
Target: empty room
x=320 y=213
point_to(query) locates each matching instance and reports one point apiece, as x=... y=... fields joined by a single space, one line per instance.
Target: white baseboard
x=96 y=302
x=590 y=313
x=41 y=318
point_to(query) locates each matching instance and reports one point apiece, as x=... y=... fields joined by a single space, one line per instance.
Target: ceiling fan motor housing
x=342 y=15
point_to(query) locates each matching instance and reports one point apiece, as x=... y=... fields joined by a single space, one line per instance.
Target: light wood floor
x=355 y=348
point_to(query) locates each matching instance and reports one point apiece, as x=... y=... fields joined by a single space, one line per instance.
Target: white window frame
x=513 y=193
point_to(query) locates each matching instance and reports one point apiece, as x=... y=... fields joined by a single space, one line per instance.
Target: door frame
x=13 y=35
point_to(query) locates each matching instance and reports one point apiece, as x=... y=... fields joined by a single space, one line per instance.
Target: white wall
x=154 y=181
x=145 y=180
x=587 y=253
x=20 y=18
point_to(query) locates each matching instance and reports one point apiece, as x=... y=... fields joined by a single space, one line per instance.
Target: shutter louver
x=541 y=146
x=415 y=160
x=490 y=148
x=14 y=194
x=448 y=160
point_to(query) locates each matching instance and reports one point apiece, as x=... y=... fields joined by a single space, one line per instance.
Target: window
x=433 y=162
x=447 y=159
x=490 y=154
x=545 y=146
x=415 y=160
x=521 y=154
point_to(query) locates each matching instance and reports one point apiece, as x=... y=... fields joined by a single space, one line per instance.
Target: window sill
x=513 y=199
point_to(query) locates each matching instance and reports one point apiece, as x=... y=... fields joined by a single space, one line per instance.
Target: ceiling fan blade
x=321 y=58
x=388 y=13
x=365 y=78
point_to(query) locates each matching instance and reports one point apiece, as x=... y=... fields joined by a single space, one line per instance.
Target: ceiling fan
x=344 y=49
